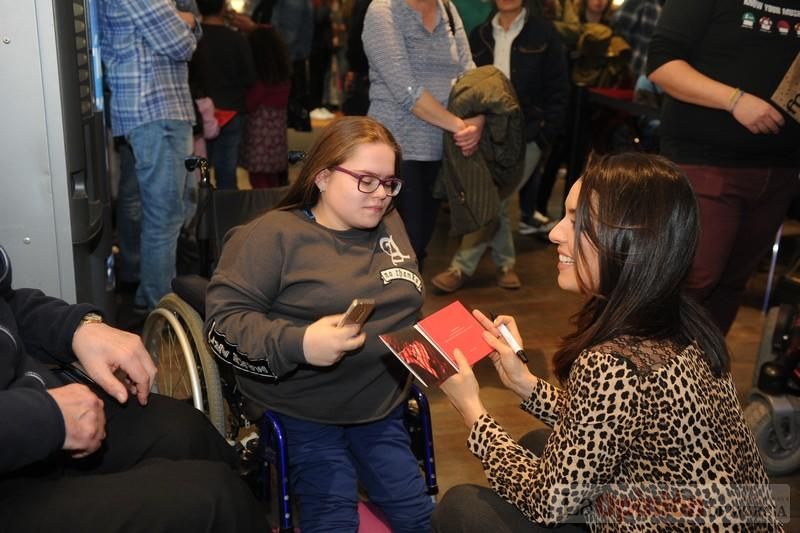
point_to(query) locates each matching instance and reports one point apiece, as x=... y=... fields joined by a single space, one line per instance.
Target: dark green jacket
x=475 y=185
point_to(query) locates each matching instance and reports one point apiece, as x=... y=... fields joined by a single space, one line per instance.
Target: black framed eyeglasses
x=369 y=183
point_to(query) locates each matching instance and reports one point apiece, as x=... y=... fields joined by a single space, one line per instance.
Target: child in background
x=265 y=147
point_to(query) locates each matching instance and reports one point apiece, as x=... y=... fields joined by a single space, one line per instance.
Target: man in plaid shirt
x=145 y=47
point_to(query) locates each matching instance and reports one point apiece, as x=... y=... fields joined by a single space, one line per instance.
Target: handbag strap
x=449 y=17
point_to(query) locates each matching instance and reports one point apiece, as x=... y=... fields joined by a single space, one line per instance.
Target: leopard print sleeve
x=544 y=403
x=588 y=444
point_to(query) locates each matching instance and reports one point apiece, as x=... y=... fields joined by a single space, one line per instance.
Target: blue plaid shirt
x=145 y=48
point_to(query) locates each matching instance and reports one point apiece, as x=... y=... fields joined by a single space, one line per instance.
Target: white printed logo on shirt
x=391 y=274
x=392 y=250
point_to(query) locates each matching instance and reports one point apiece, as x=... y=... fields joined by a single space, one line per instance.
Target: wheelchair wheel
x=173 y=335
x=778 y=461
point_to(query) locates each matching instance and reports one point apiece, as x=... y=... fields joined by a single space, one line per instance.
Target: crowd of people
x=465 y=103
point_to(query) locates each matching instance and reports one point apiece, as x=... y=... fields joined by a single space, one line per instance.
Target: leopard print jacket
x=645 y=438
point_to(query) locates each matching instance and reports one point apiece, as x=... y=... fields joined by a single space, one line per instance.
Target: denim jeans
x=498 y=235
x=129 y=217
x=326 y=463
x=223 y=152
x=161 y=199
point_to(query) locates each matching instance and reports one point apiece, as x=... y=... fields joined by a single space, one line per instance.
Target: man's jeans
x=152 y=208
x=223 y=152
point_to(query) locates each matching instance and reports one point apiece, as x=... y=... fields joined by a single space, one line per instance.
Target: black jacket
x=539 y=74
x=34 y=329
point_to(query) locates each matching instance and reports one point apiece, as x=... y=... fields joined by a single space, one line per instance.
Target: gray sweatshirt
x=282 y=272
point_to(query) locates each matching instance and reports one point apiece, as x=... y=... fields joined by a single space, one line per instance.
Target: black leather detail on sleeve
x=230 y=354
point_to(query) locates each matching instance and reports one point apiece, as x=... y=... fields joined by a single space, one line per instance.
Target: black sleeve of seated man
x=46 y=324
x=32 y=427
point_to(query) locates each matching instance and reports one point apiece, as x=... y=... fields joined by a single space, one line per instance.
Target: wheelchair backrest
x=229 y=208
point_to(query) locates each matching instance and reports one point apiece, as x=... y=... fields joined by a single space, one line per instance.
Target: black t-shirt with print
x=748 y=44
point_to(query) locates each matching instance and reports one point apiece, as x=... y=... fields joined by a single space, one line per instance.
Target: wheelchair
x=773 y=409
x=173 y=334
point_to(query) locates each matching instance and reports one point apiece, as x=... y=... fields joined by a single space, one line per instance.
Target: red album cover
x=454 y=327
x=427 y=347
x=223 y=116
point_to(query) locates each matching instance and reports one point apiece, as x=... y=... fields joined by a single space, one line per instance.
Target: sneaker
x=538 y=223
x=448 y=281
x=321 y=113
x=507 y=278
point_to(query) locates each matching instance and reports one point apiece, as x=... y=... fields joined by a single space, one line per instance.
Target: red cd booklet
x=223 y=116
x=427 y=347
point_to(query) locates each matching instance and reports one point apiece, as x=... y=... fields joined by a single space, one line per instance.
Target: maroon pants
x=741 y=209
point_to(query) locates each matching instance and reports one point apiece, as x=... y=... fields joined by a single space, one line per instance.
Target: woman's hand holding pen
x=324 y=343
x=509 y=366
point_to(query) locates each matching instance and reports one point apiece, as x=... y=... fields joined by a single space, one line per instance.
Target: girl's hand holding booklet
x=427 y=347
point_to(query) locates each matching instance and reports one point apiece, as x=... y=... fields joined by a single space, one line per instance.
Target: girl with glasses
x=273 y=308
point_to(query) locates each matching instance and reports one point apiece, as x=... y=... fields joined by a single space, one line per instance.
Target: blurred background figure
x=356 y=80
x=222 y=70
x=319 y=61
x=151 y=106
x=635 y=21
x=294 y=20
x=416 y=51
x=266 y=142
x=526 y=48
x=474 y=12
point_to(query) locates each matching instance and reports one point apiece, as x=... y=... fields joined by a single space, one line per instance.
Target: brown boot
x=448 y=281
x=507 y=278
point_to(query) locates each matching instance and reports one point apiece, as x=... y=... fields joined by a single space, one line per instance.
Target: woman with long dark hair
x=647 y=432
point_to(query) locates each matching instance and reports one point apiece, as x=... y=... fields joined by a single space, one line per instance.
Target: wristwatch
x=91 y=318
